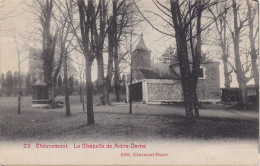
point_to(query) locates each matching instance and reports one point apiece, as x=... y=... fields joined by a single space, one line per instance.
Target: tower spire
x=141 y=44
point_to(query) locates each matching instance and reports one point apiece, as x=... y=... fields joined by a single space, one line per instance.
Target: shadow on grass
x=210 y=128
x=146 y=126
x=118 y=125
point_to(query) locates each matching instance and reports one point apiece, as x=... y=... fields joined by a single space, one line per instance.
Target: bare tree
x=240 y=70
x=120 y=22
x=81 y=67
x=185 y=19
x=19 y=51
x=48 y=47
x=253 y=33
x=115 y=32
x=65 y=40
x=8 y=14
x=43 y=10
x=100 y=29
x=87 y=17
x=66 y=85
x=55 y=35
x=223 y=40
x=114 y=25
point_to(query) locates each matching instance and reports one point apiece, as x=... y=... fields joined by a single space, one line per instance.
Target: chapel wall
x=164 y=90
x=209 y=88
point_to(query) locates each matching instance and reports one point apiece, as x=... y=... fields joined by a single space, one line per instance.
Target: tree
x=223 y=40
x=123 y=84
x=71 y=84
x=182 y=25
x=99 y=34
x=16 y=83
x=240 y=70
x=76 y=85
x=168 y=56
x=28 y=84
x=55 y=32
x=5 y=14
x=66 y=86
x=114 y=35
x=87 y=17
x=80 y=72
x=9 y=83
x=111 y=41
x=17 y=75
x=2 y=80
x=59 y=81
x=48 y=45
x=66 y=14
x=185 y=19
x=253 y=33
x=122 y=18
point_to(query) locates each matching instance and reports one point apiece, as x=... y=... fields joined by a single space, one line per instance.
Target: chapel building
x=159 y=83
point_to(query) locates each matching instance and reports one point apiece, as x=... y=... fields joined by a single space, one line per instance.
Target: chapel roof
x=141 y=45
x=157 y=71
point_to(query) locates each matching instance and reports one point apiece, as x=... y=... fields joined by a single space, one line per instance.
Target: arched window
x=202 y=73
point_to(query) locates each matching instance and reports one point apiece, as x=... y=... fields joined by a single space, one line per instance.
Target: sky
x=20 y=22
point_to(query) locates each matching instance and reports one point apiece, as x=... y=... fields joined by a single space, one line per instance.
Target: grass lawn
x=149 y=122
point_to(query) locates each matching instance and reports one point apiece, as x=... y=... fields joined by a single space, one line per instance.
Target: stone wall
x=167 y=90
x=171 y=90
x=164 y=90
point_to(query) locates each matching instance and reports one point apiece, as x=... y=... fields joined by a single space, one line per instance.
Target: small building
x=158 y=83
x=40 y=94
x=233 y=94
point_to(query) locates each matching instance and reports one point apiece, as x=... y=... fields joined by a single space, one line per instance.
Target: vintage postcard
x=129 y=82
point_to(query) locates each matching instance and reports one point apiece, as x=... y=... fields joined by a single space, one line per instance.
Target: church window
x=202 y=73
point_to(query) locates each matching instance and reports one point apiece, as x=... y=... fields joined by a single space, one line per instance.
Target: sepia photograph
x=129 y=82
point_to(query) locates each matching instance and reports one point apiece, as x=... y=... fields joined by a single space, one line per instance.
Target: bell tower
x=141 y=56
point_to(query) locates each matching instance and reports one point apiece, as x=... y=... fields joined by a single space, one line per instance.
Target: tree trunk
x=101 y=78
x=225 y=48
x=19 y=86
x=89 y=95
x=51 y=94
x=109 y=75
x=83 y=101
x=195 y=97
x=256 y=78
x=243 y=96
x=186 y=77
x=19 y=103
x=66 y=87
x=80 y=94
x=226 y=73
x=87 y=25
x=239 y=72
x=19 y=93
x=53 y=89
x=188 y=100
x=182 y=52
x=253 y=52
x=196 y=61
x=117 y=75
x=80 y=89
x=196 y=103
